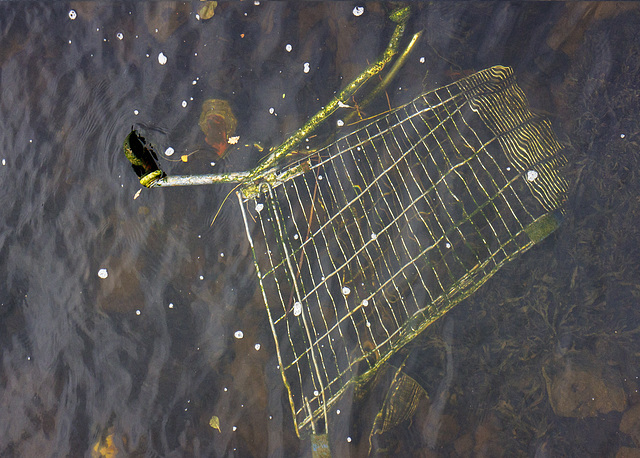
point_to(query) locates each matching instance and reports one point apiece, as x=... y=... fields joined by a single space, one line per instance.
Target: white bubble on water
x=532 y=175
x=162 y=59
x=102 y=273
x=119 y=35
x=306 y=67
x=358 y=10
x=238 y=334
x=346 y=290
x=72 y=14
x=169 y=151
x=297 y=308
x=288 y=47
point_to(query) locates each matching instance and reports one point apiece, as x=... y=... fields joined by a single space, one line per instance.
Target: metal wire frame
x=362 y=245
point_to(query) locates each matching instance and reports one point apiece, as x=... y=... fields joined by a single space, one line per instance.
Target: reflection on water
x=143 y=359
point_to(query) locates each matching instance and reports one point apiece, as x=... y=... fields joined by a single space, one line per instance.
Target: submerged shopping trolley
x=362 y=244
x=368 y=241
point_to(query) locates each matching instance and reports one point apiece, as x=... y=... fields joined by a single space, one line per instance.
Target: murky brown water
x=141 y=360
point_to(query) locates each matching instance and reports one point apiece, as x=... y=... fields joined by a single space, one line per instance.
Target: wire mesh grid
x=392 y=225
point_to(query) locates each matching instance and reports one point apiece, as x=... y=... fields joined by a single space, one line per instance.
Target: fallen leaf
x=207 y=10
x=215 y=423
x=104 y=449
x=218 y=124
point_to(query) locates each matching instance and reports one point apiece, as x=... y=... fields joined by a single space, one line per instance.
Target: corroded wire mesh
x=374 y=237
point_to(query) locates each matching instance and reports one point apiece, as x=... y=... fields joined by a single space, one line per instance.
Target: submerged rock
x=630 y=424
x=581 y=386
x=628 y=452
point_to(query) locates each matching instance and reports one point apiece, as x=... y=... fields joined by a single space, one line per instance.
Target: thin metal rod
x=397 y=65
x=192 y=180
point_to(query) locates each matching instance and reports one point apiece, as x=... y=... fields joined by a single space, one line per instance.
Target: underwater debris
x=218 y=124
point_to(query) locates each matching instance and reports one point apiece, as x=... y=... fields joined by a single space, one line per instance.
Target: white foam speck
x=358 y=10
x=169 y=151
x=238 y=334
x=162 y=59
x=297 y=308
x=102 y=273
x=72 y=14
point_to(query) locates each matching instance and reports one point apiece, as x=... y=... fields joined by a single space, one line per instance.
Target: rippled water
x=146 y=356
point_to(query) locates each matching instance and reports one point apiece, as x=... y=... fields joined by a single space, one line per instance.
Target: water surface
x=141 y=360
